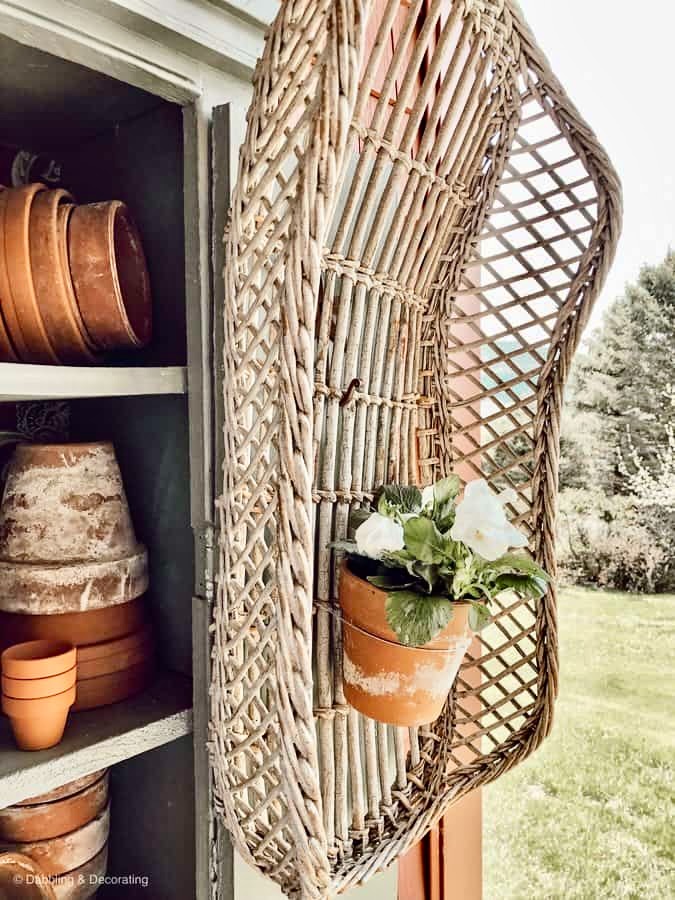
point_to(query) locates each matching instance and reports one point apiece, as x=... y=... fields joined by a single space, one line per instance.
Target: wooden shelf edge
x=20 y=381
x=98 y=738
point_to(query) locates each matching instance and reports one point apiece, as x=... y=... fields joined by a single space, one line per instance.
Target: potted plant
x=417 y=581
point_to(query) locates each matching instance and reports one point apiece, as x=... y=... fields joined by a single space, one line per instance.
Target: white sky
x=616 y=62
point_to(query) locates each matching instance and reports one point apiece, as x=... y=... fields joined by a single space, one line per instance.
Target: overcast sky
x=616 y=61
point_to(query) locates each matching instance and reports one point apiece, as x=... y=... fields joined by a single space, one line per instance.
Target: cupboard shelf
x=98 y=738
x=21 y=381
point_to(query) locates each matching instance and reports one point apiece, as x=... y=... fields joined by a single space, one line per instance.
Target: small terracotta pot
x=51 y=278
x=83 y=882
x=118 y=662
x=113 y=688
x=65 y=503
x=110 y=275
x=105 y=625
x=384 y=679
x=139 y=638
x=69 y=851
x=38 y=659
x=34 y=688
x=50 y=820
x=22 y=879
x=37 y=345
x=64 y=790
x=39 y=724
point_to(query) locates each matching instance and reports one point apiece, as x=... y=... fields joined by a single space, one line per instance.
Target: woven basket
x=420 y=226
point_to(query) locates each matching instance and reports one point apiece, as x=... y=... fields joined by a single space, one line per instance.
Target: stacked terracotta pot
x=65 y=833
x=71 y=568
x=73 y=279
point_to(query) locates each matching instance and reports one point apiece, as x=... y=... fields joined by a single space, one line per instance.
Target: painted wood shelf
x=98 y=738
x=21 y=381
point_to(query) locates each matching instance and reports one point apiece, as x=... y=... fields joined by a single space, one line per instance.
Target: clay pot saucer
x=89 y=628
x=64 y=790
x=22 y=879
x=39 y=724
x=83 y=882
x=26 y=326
x=113 y=688
x=34 y=688
x=7 y=351
x=65 y=503
x=38 y=659
x=69 y=851
x=110 y=275
x=51 y=277
x=116 y=662
x=49 y=820
x=139 y=638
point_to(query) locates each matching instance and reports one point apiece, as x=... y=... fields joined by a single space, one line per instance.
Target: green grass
x=590 y=815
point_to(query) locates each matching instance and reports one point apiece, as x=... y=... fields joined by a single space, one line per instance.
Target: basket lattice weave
x=421 y=224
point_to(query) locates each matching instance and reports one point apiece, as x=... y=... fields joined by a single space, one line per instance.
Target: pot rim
x=21 y=709
x=399 y=645
x=38 y=659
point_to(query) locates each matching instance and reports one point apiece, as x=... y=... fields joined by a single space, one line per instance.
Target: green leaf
x=517 y=563
x=345 y=546
x=417 y=618
x=424 y=540
x=394 y=582
x=479 y=616
x=400 y=498
x=447 y=489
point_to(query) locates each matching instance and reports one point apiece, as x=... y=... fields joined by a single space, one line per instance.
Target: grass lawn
x=590 y=815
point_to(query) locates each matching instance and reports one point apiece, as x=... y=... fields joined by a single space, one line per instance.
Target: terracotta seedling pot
x=384 y=679
x=33 y=688
x=65 y=503
x=113 y=688
x=110 y=275
x=22 y=879
x=87 y=628
x=51 y=278
x=39 y=724
x=37 y=345
x=118 y=662
x=50 y=820
x=83 y=882
x=65 y=790
x=38 y=659
x=69 y=851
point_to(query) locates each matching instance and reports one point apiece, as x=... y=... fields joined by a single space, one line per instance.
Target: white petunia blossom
x=377 y=535
x=481 y=521
x=428 y=496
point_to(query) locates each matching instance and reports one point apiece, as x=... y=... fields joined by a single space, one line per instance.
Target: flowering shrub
x=426 y=550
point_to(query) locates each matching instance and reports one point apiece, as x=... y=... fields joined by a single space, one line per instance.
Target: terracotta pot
x=98 y=625
x=65 y=503
x=33 y=688
x=37 y=346
x=65 y=790
x=44 y=589
x=118 y=662
x=69 y=851
x=110 y=275
x=49 y=820
x=39 y=724
x=9 y=313
x=51 y=278
x=22 y=879
x=38 y=659
x=384 y=679
x=139 y=638
x=7 y=351
x=113 y=688
x=83 y=882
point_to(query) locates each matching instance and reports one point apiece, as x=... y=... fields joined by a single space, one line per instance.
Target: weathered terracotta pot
x=110 y=275
x=39 y=724
x=83 y=882
x=27 y=321
x=384 y=679
x=51 y=278
x=113 y=688
x=64 y=790
x=22 y=879
x=38 y=659
x=69 y=851
x=65 y=503
x=33 y=688
x=108 y=624
x=48 y=820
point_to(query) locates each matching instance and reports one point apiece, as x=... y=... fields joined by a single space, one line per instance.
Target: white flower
x=377 y=535
x=428 y=496
x=481 y=521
